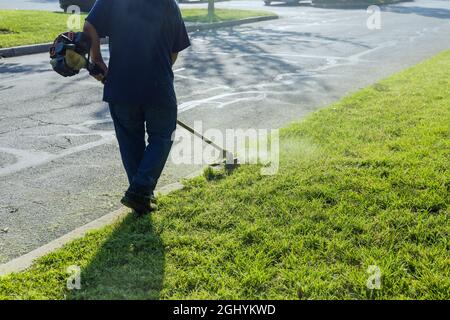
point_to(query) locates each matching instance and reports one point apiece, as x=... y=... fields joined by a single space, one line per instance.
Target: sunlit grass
x=19 y=27
x=201 y=15
x=363 y=182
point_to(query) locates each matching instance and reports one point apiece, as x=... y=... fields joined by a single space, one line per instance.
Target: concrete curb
x=26 y=261
x=31 y=49
x=45 y=47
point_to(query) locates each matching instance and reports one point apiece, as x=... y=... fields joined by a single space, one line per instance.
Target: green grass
x=30 y=27
x=363 y=182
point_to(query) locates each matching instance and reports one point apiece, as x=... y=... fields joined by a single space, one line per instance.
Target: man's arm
x=96 y=53
x=174 y=57
x=180 y=36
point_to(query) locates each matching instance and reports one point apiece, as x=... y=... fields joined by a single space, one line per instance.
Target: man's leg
x=130 y=132
x=161 y=122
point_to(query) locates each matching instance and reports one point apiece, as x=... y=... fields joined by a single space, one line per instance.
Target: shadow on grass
x=129 y=264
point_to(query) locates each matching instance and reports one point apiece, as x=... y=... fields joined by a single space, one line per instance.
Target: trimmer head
x=230 y=161
x=230 y=166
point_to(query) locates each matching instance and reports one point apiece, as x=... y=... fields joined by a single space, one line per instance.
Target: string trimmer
x=70 y=53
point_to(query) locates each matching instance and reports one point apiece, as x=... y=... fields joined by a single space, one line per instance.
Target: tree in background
x=211 y=10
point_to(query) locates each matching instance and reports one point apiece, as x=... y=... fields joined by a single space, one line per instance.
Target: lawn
x=30 y=27
x=362 y=182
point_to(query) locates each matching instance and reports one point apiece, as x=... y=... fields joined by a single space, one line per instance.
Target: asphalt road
x=48 y=5
x=59 y=162
x=53 y=5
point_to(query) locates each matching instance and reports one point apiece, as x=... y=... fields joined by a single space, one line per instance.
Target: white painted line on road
x=29 y=158
x=254 y=95
x=201 y=80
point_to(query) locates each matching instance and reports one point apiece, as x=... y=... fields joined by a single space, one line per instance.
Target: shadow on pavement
x=228 y=44
x=3 y=88
x=249 y=52
x=129 y=264
x=14 y=68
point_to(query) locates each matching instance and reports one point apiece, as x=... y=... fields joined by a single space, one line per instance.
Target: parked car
x=291 y=2
x=85 y=5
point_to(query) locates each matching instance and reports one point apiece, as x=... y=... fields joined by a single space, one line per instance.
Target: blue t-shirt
x=143 y=34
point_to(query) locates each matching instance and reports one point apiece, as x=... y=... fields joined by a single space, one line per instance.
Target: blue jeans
x=144 y=163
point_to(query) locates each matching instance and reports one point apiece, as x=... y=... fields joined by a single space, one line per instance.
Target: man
x=145 y=37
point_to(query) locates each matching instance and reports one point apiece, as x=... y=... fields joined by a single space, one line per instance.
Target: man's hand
x=101 y=64
x=96 y=54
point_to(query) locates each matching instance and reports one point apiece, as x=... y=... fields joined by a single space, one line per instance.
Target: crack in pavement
x=32 y=158
x=40 y=121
